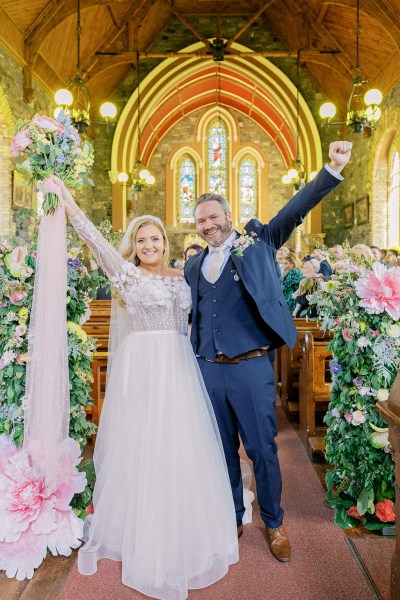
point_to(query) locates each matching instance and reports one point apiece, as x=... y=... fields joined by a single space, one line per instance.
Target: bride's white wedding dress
x=162 y=501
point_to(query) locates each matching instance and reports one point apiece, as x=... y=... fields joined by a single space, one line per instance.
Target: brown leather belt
x=223 y=359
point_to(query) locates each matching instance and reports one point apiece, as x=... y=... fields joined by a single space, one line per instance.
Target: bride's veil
x=120 y=322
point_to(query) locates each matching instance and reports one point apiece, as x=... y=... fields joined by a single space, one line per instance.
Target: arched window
x=186 y=187
x=248 y=188
x=394 y=200
x=217 y=172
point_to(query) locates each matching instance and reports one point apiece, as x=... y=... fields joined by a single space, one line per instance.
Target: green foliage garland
x=366 y=351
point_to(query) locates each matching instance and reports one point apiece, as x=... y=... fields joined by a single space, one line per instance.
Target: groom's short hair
x=211 y=197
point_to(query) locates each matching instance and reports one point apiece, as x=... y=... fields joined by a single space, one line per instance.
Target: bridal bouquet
x=47 y=147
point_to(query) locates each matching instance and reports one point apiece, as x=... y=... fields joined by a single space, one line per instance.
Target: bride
x=162 y=501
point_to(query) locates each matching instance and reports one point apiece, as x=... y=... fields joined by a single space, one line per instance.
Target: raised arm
x=280 y=227
x=106 y=255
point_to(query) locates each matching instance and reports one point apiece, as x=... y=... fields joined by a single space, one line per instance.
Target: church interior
x=243 y=97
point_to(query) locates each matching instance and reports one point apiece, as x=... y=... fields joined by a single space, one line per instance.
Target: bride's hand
x=71 y=206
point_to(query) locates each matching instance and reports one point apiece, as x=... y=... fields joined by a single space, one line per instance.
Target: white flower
x=382 y=394
x=8 y=357
x=73 y=253
x=363 y=342
x=394 y=331
x=11 y=316
x=364 y=391
x=26 y=271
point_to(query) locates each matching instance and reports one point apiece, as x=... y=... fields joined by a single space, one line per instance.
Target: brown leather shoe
x=239 y=530
x=278 y=543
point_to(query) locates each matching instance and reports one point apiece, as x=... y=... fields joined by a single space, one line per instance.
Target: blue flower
x=334 y=367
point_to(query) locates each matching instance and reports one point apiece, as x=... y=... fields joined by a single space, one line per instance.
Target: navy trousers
x=243 y=398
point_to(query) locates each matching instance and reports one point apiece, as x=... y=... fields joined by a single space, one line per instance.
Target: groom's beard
x=217 y=234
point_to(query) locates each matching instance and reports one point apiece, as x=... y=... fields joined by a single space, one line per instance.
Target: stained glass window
x=248 y=189
x=186 y=189
x=394 y=201
x=217 y=158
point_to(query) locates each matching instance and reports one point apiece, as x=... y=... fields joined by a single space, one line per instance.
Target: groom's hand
x=339 y=153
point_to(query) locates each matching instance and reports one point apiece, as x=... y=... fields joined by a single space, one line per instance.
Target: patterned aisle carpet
x=324 y=565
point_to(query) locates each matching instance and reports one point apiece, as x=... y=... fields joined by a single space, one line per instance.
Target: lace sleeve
x=106 y=255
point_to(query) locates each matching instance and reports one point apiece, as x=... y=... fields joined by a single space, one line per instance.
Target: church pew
x=99 y=370
x=290 y=363
x=314 y=388
x=98 y=326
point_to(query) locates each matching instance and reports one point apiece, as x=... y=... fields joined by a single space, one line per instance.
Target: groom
x=239 y=314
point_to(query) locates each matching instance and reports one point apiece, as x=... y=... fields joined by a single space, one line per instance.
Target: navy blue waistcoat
x=228 y=319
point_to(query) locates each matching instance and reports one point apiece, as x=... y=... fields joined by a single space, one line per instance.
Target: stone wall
x=12 y=108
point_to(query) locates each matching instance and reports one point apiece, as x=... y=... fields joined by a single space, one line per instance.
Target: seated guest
x=324 y=267
x=376 y=252
x=337 y=251
x=280 y=255
x=364 y=251
x=191 y=251
x=392 y=257
x=291 y=278
x=310 y=270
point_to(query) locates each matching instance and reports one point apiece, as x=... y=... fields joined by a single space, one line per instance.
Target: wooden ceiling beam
x=380 y=10
x=53 y=15
x=323 y=33
x=134 y=13
x=110 y=59
x=191 y=28
x=250 y=22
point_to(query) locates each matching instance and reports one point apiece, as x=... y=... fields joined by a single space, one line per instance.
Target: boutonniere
x=244 y=241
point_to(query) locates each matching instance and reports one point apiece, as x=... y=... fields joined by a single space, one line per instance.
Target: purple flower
x=357 y=382
x=335 y=412
x=74 y=263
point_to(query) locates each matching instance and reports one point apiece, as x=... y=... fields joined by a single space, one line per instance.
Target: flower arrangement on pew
x=360 y=305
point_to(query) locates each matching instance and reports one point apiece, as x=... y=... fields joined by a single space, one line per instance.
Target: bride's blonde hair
x=127 y=248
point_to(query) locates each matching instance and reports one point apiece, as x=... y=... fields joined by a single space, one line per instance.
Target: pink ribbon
x=46 y=405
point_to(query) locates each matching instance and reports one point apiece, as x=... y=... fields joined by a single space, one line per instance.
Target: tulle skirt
x=162 y=501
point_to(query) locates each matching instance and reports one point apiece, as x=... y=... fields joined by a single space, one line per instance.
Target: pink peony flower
x=21 y=359
x=20 y=142
x=35 y=516
x=379 y=290
x=358 y=418
x=20 y=330
x=17 y=296
x=353 y=512
x=47 y=124
x=348 y=417
x=384 y=511
x=347 y=335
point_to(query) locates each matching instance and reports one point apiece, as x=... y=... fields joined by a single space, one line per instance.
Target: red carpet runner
x=322 y=567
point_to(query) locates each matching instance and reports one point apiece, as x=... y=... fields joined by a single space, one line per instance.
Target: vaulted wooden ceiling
x=41 y=35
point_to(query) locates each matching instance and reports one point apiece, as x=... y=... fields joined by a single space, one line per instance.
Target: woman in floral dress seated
x=292 y=276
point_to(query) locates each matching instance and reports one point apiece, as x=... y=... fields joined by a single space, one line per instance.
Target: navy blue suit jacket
x=257 y=267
